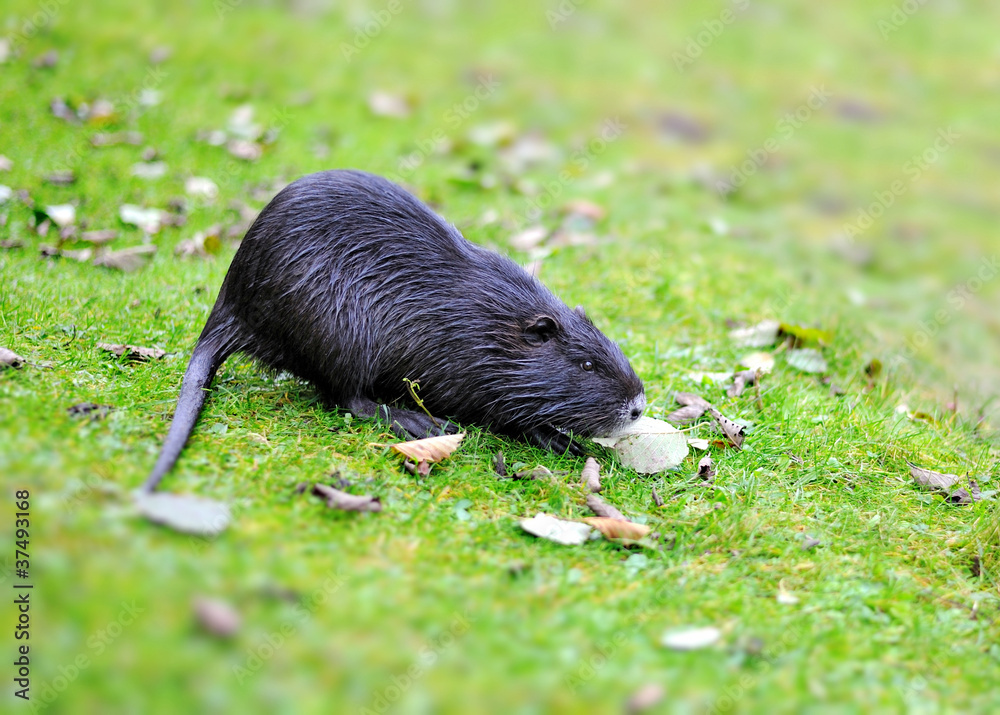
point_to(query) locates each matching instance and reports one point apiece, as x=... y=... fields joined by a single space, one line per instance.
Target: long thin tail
x=210 y=352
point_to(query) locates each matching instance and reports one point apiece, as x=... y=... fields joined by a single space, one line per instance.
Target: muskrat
x=349 y=282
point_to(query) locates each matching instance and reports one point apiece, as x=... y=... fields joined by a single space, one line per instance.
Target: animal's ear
x=541 y=330
x=580 y=311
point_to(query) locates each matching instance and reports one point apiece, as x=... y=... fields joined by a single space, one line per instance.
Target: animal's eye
x=587 y=366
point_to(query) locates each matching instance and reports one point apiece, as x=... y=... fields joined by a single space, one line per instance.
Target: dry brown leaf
x=336 y=499
x=529 y=238
x=116 y=138
x=127 y=259
x=540 y=472
x=685 y=415
x=9 y=358
x=645 y=698
x=245 y=149
x=760 y=335
x=929 y=479
x=387 y=104
x=431 y=449
x=592 y=475
x=216 y=617
x=741 y=380
x=734 y=432
x=99 y=238
x=132 y=352
x=583 y=207
x=500 y=465
x=657 y=499
x=61 y=178
x=91 y=410
x=616 y=528
x=602 y=508
x=762 y=362
x=690 y=399
x=706 y=470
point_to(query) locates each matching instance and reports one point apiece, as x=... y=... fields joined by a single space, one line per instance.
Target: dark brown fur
x=348 y=281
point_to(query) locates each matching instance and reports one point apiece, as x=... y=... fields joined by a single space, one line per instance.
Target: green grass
x=441 y=594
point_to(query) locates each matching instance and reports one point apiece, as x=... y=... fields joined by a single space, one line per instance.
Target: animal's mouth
x=626 y=416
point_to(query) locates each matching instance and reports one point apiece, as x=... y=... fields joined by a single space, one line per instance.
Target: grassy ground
x=441 y=603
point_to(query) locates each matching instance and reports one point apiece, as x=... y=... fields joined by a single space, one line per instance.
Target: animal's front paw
x=550 y=438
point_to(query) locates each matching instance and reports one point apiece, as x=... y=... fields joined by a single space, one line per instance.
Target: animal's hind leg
x=406 y=424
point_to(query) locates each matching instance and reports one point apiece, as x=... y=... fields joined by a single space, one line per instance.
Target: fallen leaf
x=10 y=359
x=685 y=127
x=99 y=238
x=734 y=432
x=537 y=472
x=132 y=352
x=336 y=499
x=387 y=104
x=61 y=214
x=857 y=110
x=61 y=178
x=616 y=528
x=760 y=335
x=587 y=209
x=114 y=139
x=762 y=362
x=691 y=638
x=810 y=543
x=245 y=149
x=201 y=187
x=149 y=220
x=5 y=163
x=786 y=599
x=89 y=409
x=184 y=512
x=202 y=243
x=46 y=60
x=492 y=134
x=649 y=446
x=563 y=238
x=807 y=360
x=525 y=151
x=127 y=259
x=741 y=380
x=602 y=508
x=657 y=499
x=149 y=169
x=160 y=54
x=5 y=194
x=216 y=617
x=592 y=475
x=685 y=415
x=929 y=479
x=529 y=238
x=798 y=335
x=500 y=465
x=698 y=443
x=644 y=698
x=560 y=531
x=706 y=470
x=431 y=449
x=965 y=496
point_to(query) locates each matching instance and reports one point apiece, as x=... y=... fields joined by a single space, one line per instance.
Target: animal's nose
x=636 y=413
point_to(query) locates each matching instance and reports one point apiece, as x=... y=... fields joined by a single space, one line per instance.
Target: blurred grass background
x=699 y=90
